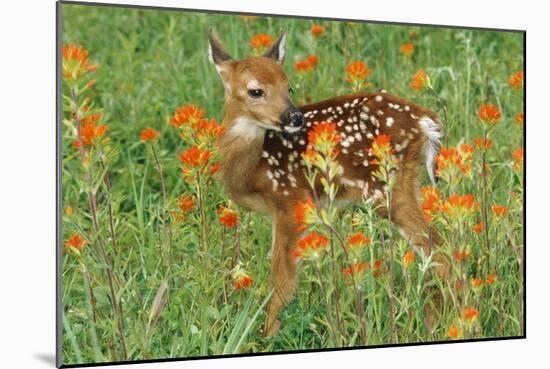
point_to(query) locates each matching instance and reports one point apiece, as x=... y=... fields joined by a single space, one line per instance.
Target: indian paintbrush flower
x=228 y=217
x=407 y=49
x=148 y=134
x=489 y=114
x=311 y=246
x=420 y=81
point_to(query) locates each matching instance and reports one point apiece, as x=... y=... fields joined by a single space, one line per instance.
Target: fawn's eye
x=256 y=93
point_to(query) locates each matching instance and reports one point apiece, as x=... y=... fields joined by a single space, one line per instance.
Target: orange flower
x=450 y=155
x=354 y=269
x=91 y=118
x=323 y=132
x=413 y=34
x=75 y=62
x=457 y=206
x=261 y=41
x=187 y=114
x=228 y=217
x=478 y=228
x=491 y=278
x=317 y=30
x=148 y=134
x=214 y=168
x=186 y=203
x=489 y=114
x=407 y=49
x=381 y=148
x=462 y=254
x=305 y=66
x=420 y=81
x=500 y=210
x=408 y=258
x=241 y=279
x=208 y=128
x=519 y=119
x=466 y=151
x=310 y=246
x=357 y=71
x=476 y=282
x=516 y=80
x=195 y=157
x=305 y=214
x=313 y=59
x=91 y=83
x=90 y=131
x=453 y=332
x=377 y=268
x=76 y=242
x=310 y=157
x=451 y=161
x=470 y=314
x=358 y=240
x=431 y=202
x=382 y=143
x=324 y=138
x=481 y=143
x=518 y=156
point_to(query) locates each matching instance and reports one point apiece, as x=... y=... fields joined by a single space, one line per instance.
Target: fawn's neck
x=240 y=151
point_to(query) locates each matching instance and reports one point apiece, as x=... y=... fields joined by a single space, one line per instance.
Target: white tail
x=433 y=134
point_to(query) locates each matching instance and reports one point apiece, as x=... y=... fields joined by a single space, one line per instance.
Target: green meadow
x=149 y=281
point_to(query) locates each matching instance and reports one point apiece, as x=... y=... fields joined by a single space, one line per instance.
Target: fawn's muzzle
x=292 y=120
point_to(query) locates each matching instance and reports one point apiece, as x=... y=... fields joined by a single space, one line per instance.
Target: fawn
x=265 y=135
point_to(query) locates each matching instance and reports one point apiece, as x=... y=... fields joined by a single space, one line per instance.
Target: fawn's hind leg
x=407 y=215
x=283 y=271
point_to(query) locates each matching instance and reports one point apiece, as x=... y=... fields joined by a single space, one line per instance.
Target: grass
x=139 y=290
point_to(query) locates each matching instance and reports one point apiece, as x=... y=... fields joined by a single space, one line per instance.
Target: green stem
x=165 y=221
x=117 y=310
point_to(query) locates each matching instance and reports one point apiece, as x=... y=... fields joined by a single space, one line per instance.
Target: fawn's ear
x=221 y=59
x=216 y=51
x=277 y=51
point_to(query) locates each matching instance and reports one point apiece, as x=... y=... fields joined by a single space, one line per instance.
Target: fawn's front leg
x=283 y=270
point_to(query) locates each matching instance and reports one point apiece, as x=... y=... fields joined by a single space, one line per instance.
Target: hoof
x=429 y=319
x=273 y=328
x=444 y=271
x=443 y=268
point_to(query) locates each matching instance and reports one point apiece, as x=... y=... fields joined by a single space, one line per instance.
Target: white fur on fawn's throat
x=433 y=136
x=250 y=129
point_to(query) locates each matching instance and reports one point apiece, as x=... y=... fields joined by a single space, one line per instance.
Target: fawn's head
x=257 y=91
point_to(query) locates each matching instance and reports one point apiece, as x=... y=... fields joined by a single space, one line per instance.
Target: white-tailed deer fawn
x=265 y=135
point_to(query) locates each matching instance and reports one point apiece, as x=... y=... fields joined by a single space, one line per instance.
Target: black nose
x=295 y=118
